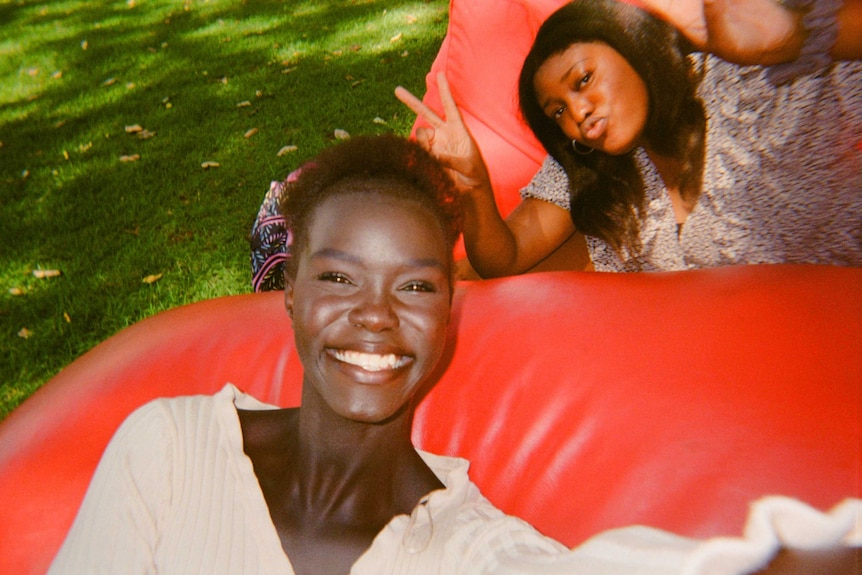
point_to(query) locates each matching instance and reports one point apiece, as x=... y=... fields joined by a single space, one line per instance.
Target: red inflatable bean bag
x=584 y=401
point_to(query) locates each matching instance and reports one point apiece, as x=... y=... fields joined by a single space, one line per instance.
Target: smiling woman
x=222 y=484
x=369 y=290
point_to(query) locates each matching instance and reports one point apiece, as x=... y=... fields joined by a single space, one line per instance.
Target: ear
x=288 y=296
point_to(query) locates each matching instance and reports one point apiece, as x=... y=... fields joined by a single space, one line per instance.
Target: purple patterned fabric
x=270 y=239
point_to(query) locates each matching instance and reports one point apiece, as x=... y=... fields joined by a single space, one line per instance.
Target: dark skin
x=327 y=507
x=843 y=561
x=370 y=305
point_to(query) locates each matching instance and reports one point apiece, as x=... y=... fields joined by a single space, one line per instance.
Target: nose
x=374 y=312
x=581 y=107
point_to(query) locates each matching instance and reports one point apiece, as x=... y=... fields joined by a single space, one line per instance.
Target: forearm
x=793 y=37
x=490 y=244
x=848 y=45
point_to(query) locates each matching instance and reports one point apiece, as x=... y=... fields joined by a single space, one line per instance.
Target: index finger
x=418 y=106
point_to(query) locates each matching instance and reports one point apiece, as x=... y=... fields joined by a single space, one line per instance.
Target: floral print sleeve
x=270 y=239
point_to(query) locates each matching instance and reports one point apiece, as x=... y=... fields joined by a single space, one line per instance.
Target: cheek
x=637 y=99
x=311 y=321
x=432 y=329
x=569 y=128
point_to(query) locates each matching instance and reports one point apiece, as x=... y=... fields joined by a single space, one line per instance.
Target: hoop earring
x=581 y=149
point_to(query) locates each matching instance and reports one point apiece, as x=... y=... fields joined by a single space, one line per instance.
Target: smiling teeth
x=371 y=361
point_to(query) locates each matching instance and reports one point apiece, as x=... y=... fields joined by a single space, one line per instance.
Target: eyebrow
x=416 y=263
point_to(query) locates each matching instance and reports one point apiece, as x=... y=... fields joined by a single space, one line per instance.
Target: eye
x=558 y=113
x=334 y=277
x=419 y=286
x=585 y=79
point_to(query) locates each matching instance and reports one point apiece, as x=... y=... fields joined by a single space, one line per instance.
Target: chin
x=373 y=415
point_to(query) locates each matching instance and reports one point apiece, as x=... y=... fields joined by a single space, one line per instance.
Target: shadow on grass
x=218 y=81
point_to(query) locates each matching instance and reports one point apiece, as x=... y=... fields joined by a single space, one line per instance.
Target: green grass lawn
x=108 y=112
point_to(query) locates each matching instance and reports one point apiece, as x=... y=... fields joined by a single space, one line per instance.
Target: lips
x=370 y=361
x=593 y=128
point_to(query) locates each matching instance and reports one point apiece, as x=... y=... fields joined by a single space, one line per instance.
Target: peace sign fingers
x=418 y=106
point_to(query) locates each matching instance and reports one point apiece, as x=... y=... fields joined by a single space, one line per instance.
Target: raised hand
x=739 y=31
x=753 y=31
x=448 y=138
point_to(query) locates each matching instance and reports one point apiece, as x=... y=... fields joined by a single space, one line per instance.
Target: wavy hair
x=607 y=192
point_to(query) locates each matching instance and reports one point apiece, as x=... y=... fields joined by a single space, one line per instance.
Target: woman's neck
x=332 y=487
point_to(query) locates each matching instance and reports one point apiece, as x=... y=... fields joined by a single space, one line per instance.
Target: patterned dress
x=271 y=239
x=782 y=178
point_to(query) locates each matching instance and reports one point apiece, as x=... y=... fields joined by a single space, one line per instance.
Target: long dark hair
x=607 y=192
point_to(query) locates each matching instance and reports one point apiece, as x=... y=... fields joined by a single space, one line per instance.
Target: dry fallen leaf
x=17 y=291
x=67 y=317
x=43 y=274
x=396 y=38
x=244 y=104
x=57 y=75
x=286 y=150
x=133 y=129
x=411 y=19
x=151 y=279
x=131 y=158
x=341 y=134
x=250 y=133
x=25 y=333
x=208 y=164
x=379 y=120
x=85 y=45
x=109 y=82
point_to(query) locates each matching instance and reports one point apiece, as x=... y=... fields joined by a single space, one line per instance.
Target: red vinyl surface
x=585 y=401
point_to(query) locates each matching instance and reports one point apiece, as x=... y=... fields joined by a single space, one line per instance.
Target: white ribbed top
x=175 y=494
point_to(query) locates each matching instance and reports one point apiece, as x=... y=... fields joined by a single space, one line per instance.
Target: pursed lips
x=370 y=361
x=593 y=127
